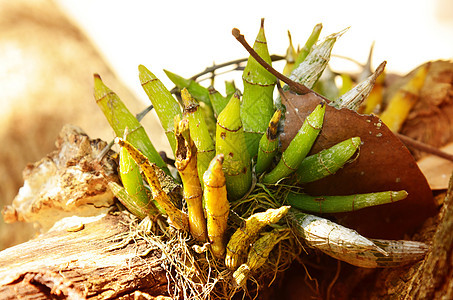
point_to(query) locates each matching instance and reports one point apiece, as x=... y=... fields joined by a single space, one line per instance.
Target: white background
x=187 y=36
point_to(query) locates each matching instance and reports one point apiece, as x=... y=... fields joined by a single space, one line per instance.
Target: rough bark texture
x=65 y=194
x=62 y=264
x=433 y=277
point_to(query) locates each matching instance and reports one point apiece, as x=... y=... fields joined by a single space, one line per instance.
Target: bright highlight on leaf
x=217 y=205
x=257 y=105
x=164 y=104
x=231 y=142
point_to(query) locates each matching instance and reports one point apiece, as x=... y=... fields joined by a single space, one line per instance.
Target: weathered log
x=77 y=256
x=76 y=264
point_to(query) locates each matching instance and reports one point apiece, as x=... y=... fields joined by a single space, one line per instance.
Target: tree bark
x=433 y=277
x=78 y=264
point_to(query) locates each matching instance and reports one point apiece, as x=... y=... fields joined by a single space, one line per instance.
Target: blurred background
x=49 y=50
x=187 y=36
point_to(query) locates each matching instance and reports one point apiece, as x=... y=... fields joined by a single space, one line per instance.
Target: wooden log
x=80 y=264
x=78 y=256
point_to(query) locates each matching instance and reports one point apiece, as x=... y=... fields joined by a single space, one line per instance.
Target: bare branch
x=409 y=142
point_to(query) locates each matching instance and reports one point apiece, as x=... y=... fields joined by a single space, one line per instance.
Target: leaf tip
x=100 y=89
x=145 y=75
x=141 y=68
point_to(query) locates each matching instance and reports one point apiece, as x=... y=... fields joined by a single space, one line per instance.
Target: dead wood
x=62 y=264
x=84 y=252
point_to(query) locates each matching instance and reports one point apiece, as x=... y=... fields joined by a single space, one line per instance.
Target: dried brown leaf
x=384 y=164
x=431 y=121
x=436 y=169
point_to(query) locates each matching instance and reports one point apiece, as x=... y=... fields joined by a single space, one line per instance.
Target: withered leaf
x=430 y=121
x=384 y=164
x=436 y=169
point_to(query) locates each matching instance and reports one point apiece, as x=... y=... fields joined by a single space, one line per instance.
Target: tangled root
x=191 y=269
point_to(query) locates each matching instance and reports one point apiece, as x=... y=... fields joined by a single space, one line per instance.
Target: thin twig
x=143 y=113
x=349 y=59
x=219 y=66
x=301 y=89
x=409 y=142
x=166 y=159
x=229 y=63
x=237 y=68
